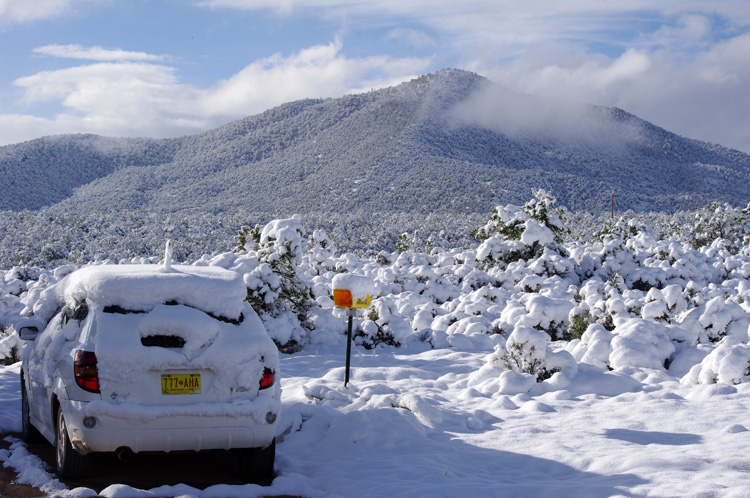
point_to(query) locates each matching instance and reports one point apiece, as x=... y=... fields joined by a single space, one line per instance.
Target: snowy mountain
x=450 y=141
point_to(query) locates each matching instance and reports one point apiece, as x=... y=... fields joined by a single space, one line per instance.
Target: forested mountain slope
x=45 y=171
x=450 y=141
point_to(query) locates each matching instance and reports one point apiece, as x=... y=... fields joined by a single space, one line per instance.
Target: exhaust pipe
x=124 y=454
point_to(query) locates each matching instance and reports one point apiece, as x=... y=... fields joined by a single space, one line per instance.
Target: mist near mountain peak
x=531 y=117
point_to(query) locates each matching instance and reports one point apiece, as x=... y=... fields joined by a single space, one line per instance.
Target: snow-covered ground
x=411 y=424
x=520 y=367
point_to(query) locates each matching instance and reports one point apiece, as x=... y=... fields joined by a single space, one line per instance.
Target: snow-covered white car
x=147 y=358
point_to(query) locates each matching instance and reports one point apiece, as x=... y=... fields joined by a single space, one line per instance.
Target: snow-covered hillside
x=449 y=142
x=522 y=366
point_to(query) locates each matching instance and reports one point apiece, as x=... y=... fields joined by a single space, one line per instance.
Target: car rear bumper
x=165 y=434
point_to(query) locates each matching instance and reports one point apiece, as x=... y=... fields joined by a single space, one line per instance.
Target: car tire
x=68 y=461
x=29 y=432
x=257 y=463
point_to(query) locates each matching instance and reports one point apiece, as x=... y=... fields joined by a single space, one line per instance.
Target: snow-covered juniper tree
x=509 y=220
x=514 y=233
x=721 y=221
x=275 y=285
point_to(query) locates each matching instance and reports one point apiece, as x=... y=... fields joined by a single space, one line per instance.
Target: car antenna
x=168 y=256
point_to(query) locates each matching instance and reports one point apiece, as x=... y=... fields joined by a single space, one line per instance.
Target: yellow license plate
x=181 y=383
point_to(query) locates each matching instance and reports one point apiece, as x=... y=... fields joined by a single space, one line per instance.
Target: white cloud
x=145 y=99
x=94 y=53
x=106 y=88
x=508 y=19
x=24 y=11
x=412 y=37
x=704 y=96
x=689 y=30
x=19 y=128
x=125 y=98
x=524 y=116
x=319 y=71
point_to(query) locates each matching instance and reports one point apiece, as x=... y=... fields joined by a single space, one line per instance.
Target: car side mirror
x=28 y=328
x=28 y=333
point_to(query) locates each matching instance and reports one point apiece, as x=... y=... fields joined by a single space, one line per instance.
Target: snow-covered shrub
x=522 y=362
x=641 y=343
x=656 y=307
x=246 y=237
x=497 y=251
x=729 y=363
x=594 y=347
x=551 y=263
x=621 y=229
x=508 y=221
x=276 y=288
x=580 y=319
x=714 y=320
x=382 y=325
x=9 y=346
x=320 y=252
x=405 y=242
x=724 y=222
x=547 y=314
x=527 y=351
x=13 y=284
x=514 y=233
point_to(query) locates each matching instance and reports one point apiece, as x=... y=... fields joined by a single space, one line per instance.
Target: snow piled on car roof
x=211 y=289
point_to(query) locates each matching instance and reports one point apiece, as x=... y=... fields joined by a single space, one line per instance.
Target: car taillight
x=85 y=371
x=268 y=378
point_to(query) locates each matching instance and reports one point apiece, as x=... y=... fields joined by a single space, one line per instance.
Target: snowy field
x=411 y=424
x=520 y=367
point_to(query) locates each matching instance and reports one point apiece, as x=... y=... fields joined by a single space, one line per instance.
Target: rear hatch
x=171 y=355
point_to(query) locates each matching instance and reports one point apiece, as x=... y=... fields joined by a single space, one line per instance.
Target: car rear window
x=123 y=311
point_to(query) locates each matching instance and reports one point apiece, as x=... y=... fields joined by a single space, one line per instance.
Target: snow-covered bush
x=640 y=343
x=321 y=250
x=547 y=314
x=514 y=233
x=508 y=220
x=277 y=288
x=594 y=347
x=729 y=363
x=711 y=322
x=620 y=230
x=639 y=297
x=383 y=325
x=580 y=319
x=527 y=351
x=9 y=346
x=721 y=222
x=635 y=343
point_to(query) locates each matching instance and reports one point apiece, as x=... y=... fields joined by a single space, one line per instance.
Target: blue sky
x=163 y=68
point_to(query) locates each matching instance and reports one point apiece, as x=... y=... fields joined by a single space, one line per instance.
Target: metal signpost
x=343 y=299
